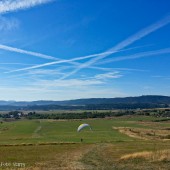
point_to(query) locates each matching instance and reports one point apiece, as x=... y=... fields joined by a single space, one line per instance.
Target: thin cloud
x=52 y=72
x=109 y=75
x=35 y=93
x=163 y=77
x=15 y=5
x=4 y=68
x=129 y=69
x=68 y=83
x=8 y=24
x=144 y=32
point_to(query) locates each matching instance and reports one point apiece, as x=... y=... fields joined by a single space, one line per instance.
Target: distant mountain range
x=151 y=99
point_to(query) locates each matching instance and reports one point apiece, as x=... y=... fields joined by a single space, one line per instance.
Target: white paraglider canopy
x=82 y=126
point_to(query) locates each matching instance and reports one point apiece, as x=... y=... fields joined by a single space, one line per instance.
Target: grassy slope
x=102 y=148
x=34 y=131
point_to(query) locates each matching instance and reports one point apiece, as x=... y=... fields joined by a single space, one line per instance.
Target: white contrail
x=8 y=48
x=40 y=55
x=137 y=55
x=71 y=61
x=15 y=5
x=144 y=32
x=15 y=64
x=61 y=61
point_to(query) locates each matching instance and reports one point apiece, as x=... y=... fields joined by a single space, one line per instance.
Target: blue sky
x=69 y=49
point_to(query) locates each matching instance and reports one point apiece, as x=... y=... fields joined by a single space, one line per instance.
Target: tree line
x=86 y=114
x=87 y=107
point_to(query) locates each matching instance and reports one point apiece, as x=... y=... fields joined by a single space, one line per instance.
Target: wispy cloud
x=15 y=5
x=68 y=83
x=40 y=88
x=147 y=87
x=144 y=32
x=4 y=68
x=54 y=84
x=109 y=75
x=40 y=73
x=162 y=77
x=8 y=24
x=46 y=88
x=37 y=93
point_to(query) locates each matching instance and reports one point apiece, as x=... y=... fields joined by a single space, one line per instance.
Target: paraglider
x=82 y=126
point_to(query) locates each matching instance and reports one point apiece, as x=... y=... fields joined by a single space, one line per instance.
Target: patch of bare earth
x=145 y=134
x=154 y=124
x=153 y=156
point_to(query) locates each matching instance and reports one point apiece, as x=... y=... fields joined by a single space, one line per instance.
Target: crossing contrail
x=57 y=60
x=142 y=33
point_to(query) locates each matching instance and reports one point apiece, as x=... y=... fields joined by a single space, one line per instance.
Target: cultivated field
x=124 y=143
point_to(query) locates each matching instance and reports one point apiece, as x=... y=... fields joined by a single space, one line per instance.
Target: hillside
x=79 y=102
x=90 y=104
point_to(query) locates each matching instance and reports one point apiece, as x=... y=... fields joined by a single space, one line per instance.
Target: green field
x=50 y=144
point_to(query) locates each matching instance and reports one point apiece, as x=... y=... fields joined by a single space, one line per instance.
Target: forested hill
x=151 y=99
x=126 y=100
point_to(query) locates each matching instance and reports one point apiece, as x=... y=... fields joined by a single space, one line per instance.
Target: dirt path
x=66 y=161
x=36 y=131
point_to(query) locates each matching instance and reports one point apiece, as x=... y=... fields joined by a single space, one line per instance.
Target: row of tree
x=86 y=114
x=83 y=115
x=107 y=106
x=96 y=114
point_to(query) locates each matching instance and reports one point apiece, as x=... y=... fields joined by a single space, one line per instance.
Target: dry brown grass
x=155 y=125
x=152 y=156
x=68 y=160
x=46 y=157
x=146 y=134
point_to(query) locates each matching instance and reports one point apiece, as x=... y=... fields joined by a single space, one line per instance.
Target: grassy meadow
x=55 y=144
